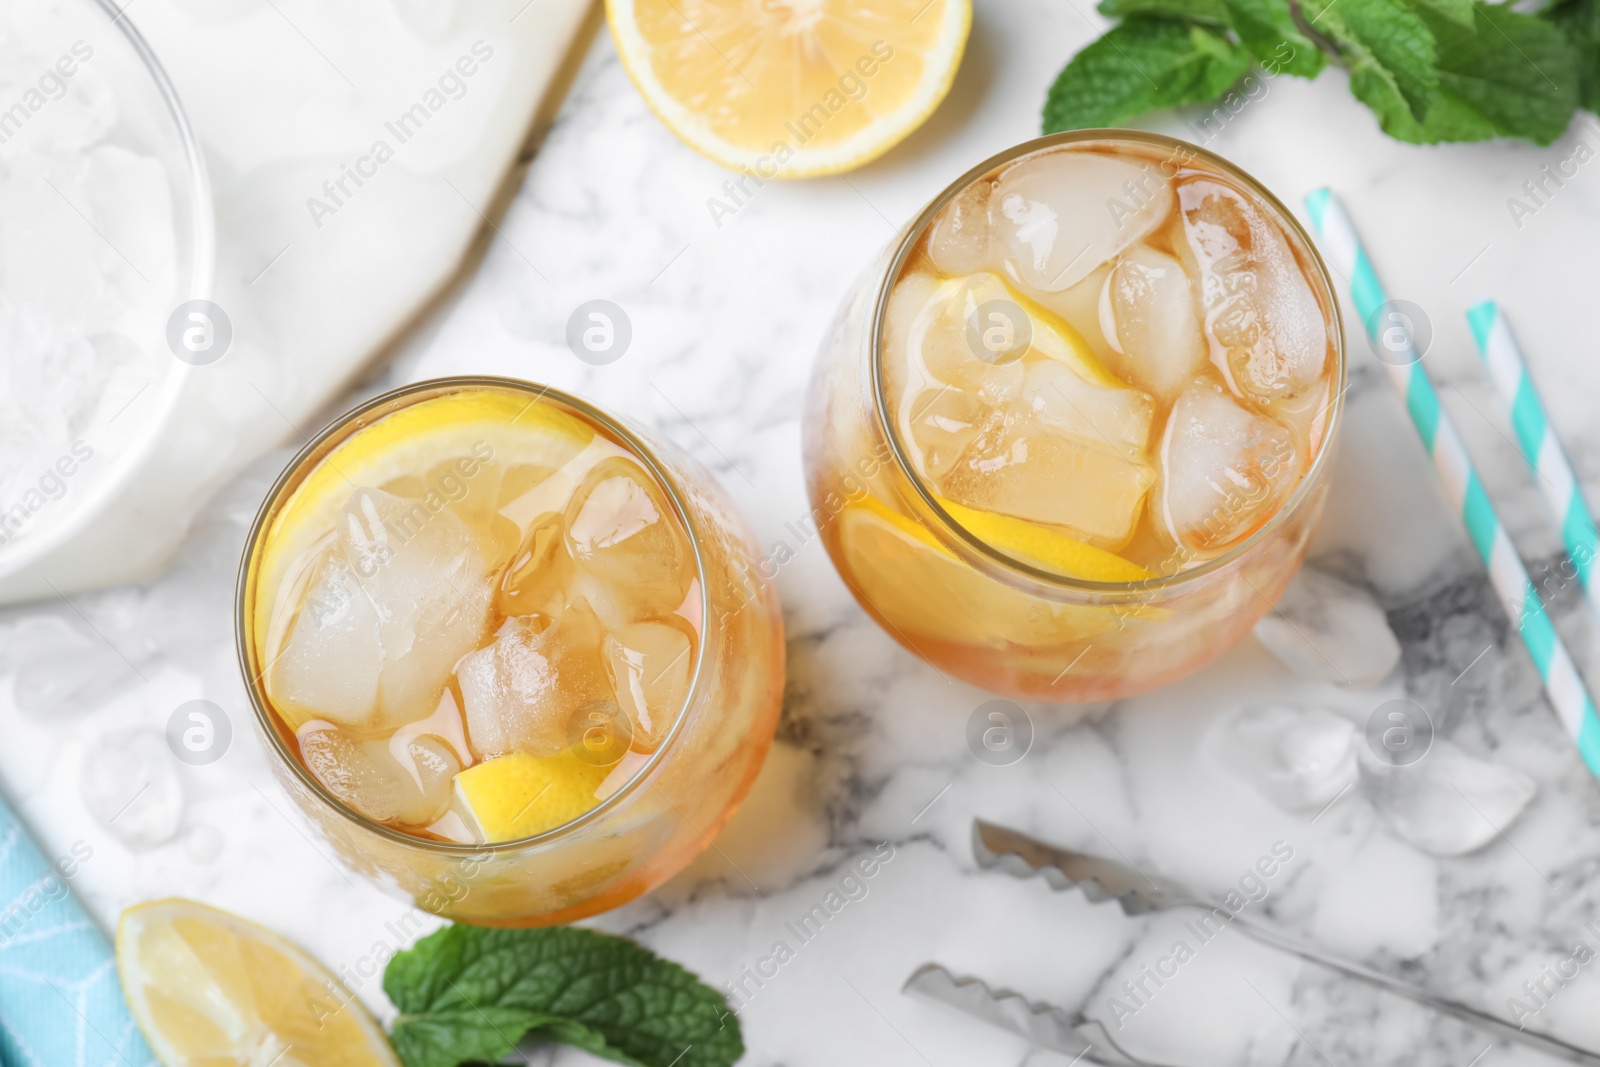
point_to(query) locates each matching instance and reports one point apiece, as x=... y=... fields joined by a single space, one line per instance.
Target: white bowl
x=86 y=543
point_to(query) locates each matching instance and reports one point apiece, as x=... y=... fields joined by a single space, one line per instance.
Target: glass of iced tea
x=507 y=655
x=1069 y=438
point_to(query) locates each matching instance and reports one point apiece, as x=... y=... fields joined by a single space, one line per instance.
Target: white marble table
x=872 y=746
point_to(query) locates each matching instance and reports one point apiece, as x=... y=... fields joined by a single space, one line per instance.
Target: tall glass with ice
x=507 y=655
x=1069 y=438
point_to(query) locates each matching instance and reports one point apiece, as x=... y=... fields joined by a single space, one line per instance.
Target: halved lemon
x=919 y=587
x=210 y=989
x=791 y=88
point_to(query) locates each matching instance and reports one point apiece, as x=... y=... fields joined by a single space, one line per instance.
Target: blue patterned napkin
x=60 y=1002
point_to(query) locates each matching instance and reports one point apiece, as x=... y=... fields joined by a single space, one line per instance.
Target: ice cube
x=519 y=691
x=1300 y=759
x=430 y=766
x=650 y=664
x=1025 y=466
x=129 y=783
x=943 y=423
x=940 y=342
x=1224 y=470
x=1059 y=215
x=427 y=578
x=535 y=582
x=62 y=666
x=1266 y=330
x=1448 y=803
x=350 y=772
x=1327 y=629
x=621 y=530
x=1117 y=420
x=1148 y=314
x=958 y=240
x=471 y=487
x=906 y=301
x=329 y=667
x=113 y=180
x=402 y=594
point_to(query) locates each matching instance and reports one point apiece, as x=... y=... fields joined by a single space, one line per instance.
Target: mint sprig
x=1579 y=21
x=1141 y=64
x=1430 y=70
x=468 y=994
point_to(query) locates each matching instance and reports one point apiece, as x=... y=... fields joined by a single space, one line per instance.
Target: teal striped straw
x=1563 y=684
x=1547 y=460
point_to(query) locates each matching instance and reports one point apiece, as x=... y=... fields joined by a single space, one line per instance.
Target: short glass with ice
x=508 y=656
x=1069 y=438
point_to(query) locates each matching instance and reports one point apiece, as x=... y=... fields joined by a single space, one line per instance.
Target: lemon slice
x=519 y=795
x=791 y=88
x=1044 y=547
x=917 y=586
x=1053 y=337
x=504 y=428
x=212 y=990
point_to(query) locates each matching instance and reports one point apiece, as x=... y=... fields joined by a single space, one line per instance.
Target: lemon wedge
x=791 y=88
x=1045 y=547
x=519 y=795
x=918 y=587
x=210 y=989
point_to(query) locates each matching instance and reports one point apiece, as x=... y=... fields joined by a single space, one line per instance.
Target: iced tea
x=1069 y=441
x=499 y=641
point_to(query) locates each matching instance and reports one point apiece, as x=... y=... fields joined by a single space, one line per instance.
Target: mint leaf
x=1513 y=75
x=1212 y=11
x=1268 y=29
x=1457 y=11
x=1387 y=47
x=467 y=994
x=1579 y=20
x=1142 y=64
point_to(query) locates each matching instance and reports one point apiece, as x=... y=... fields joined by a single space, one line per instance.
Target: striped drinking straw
x=1562 y=682
x=1547 y=460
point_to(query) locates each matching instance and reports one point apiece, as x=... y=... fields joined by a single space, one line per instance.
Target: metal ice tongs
x=1100 y=879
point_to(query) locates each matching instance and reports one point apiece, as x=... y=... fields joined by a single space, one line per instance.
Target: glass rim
x=295 y=472
x=991 y=555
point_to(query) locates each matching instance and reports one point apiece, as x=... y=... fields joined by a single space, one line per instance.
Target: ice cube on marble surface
x=1327 y=629
x=129 y=783
x=1449 y=802
x=1301 y=759
x=62 y=666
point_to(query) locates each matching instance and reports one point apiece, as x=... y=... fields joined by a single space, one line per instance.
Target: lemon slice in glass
x=518 y=795
x=791 y=88
x=210 y=989
x=918 y=587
